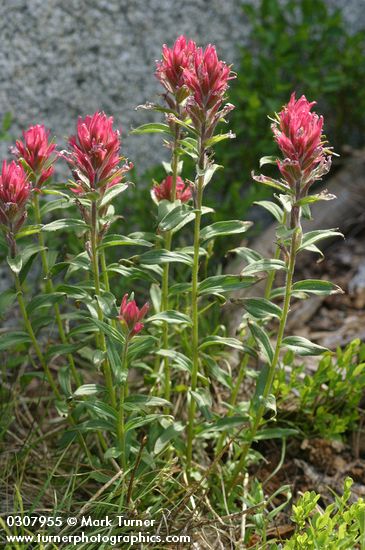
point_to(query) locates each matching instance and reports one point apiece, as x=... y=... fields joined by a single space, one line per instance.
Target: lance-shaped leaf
x=15 y=264
x=263 y=341
x=313 y=237
x=88 y=389
x=138 y=402
x=247 y=254
x=179 y=216
x=323 y=196
x=164 y=257
x=273 y=208
x=121 y=240
x=263 y=265
x=178 y=359
x=13 y=338
x=171 y=317
x=44 y=301
x=142 y=421
x=268 y=160
x=224 y=341
x=7 y=298
x=152 y=128
x=317 y=286
x=220 y=137
x=220 y=229
x=219 y=284
x=65 y=224
x=302 y=346
x=111 y=193
x=28 y=230
x=276 y=184
x=260 y=308
x=169 y=434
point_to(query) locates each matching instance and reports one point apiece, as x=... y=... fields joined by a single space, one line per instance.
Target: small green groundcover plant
x=137 y=384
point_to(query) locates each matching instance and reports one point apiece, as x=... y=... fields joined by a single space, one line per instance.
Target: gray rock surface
x=63 y=58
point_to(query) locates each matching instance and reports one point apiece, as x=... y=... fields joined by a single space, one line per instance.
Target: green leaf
x=168 y=434
x=276 y=184
x=317 y=286
x=112 y=192
x=88 y=389
x=141 y=421
x=268 y=160
x=81 y=261
x=152 y=128
x=58 y=204
x=177 y=358
x=203 y=399
x=219 y=229
x=12 y=339
x=172 y=317
x=247 y=254
x=263 y=341
x=141 y=345
x=180 y=216
x=302 y=346
x=121 y=240
x=263 y=265
x=219 y=284
x=210 y=171
x=273 y=208
x=323 y=196
x=108 y=330
x=66 y=223
x=44 y=301
x=275 y=433
x=260 y=308
x=15 y=264
x=164 y=257
x=176 y=218
x=218 y=138
x=136 y=402
x=7 y=298
x=314 y=236
x=222 y=341
x=28 y=230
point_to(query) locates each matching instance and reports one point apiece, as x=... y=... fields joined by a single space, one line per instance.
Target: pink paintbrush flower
x=14 y=193
x=37 y=151
x=95 y=154
x=163 y=191
x=298 y=133
x=170 y=70
x=207 y=77
x=131 y=316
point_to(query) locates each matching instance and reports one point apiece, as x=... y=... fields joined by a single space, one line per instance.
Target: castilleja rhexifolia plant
x=138 y=383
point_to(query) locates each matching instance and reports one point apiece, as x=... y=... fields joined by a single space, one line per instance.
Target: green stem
x=32 y=336
x=271 y=373
x=165 y=275
x=50 y=289
x=104 y=270
x=195 y=324
x=251 y=340
x=120 y=427
x=95 y=267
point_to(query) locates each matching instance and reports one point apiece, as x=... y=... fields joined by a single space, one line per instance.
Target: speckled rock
x=59 y=59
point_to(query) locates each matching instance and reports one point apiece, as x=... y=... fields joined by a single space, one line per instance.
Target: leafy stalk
x=166 y=269
x=49 y=289
x=260 y=410
x=194 y=306
x=28 y=326
x=122 y=395
x=95 y=267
